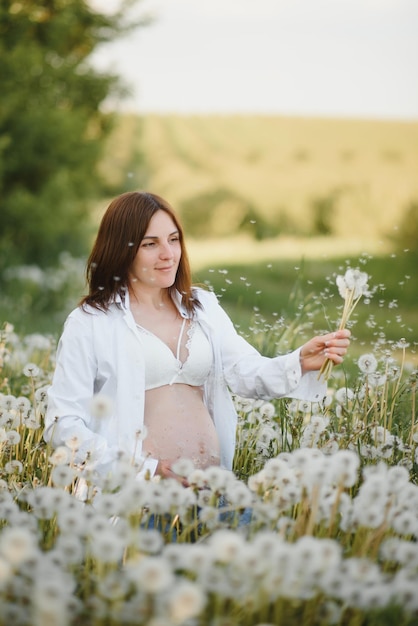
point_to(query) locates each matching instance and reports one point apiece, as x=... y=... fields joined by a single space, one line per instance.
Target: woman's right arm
x=68 y=419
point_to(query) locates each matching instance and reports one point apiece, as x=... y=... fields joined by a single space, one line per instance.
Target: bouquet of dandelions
x=352 y=286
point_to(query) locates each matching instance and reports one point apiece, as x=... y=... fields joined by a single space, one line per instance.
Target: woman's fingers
x=332 y=345
x=336 y=348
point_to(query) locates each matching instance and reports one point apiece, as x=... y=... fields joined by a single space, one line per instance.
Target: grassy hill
x=294 y=176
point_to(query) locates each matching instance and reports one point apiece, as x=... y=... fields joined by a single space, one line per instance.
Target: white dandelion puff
x=14 y=467
x=352 y=286
x=185 y=602
x=101 y=406
x=31 y=370
x=13 y=437
x=23 y=404
x=62 y=475
x=343 y=395
x=17 y=545
x=60 y=456
x=353 y=281
x=367 y=363
x=6 y=571
x=183 y=467
x=226 y=545
x=152 y=574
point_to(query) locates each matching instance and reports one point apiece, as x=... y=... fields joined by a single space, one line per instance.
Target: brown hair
x=121 y=231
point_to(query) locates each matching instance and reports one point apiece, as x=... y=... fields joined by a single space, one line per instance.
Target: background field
x=327 y=193
x=336 y=192
x=350 y=178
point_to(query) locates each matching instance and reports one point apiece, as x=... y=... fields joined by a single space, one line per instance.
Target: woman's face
x=157 y=260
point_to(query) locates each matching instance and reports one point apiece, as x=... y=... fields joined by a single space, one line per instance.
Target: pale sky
x=349 y=58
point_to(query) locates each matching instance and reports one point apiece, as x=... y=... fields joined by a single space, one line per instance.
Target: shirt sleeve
x=252 y=375
x=68 y=420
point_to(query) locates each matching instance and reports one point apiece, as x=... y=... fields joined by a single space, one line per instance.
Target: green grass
x=306 y=290
x=258 y=293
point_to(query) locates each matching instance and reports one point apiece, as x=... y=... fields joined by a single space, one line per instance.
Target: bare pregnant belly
x=179 y=426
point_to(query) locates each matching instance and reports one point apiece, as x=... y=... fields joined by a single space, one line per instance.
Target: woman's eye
x=174 y=239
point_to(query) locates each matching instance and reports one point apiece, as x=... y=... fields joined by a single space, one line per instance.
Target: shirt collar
x=122 y=299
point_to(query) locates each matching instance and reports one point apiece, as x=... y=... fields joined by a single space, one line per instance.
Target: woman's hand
x=331 y=346
x=164 y=470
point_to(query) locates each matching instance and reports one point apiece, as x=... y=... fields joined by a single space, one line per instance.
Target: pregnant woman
x=162 y=353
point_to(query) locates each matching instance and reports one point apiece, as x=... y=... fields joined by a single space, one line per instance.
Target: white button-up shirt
x=101 y=353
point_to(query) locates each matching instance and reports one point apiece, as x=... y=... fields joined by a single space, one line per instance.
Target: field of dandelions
x=316 y=525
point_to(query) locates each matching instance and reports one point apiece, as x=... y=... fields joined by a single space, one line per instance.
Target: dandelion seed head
x=183 y=467
x=101 y=406
x=14 y=467
x=31 y=370
x=13 y=437
x=344 y=395
x=149 y=541
x=186 y=601
x=62 y=475
x=23 y=404
x=377 y=380
x=197 y=478
x=73 y=443
x=70 y=546
x=152 y=574
x=6 y=571
x=367 y=363
x=345 y=466
x=60 y=456
x=8 y=402
x=17 y=545
x=216 y=478
x=353 y=281
x=226 y=545
x=106 y=546
x=405 y=523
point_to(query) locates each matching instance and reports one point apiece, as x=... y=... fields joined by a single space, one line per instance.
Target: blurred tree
x=51 y=124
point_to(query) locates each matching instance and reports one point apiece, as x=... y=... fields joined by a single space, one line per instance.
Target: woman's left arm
x=252 y=375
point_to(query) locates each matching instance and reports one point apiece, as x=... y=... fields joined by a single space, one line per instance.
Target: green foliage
x=51 y=125
x=281 y=165
x=306 y=292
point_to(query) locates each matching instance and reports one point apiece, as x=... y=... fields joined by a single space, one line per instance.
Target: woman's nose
x=166 y=251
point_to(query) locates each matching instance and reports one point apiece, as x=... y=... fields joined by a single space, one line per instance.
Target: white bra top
x=163 y=368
